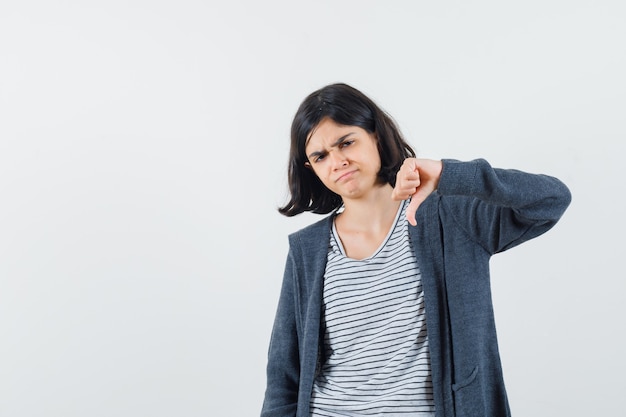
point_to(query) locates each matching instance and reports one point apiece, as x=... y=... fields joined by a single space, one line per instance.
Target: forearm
x=500 y=208
x=534 y=196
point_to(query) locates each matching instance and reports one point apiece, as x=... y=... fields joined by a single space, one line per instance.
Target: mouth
x=345 y=177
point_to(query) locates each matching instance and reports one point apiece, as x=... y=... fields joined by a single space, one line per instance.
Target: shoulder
x=312 y=232
x=308 y=247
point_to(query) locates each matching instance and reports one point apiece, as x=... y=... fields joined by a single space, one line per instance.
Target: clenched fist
x=417 y=178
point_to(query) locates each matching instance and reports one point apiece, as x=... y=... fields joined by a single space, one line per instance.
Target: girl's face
x=344 y=158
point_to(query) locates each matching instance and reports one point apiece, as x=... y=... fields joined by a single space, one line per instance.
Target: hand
x=417 y=178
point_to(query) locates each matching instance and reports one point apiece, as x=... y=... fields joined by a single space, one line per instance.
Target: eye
x=319 y=158
x=346 y=143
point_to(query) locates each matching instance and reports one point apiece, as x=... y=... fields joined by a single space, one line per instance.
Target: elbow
x=563 y=199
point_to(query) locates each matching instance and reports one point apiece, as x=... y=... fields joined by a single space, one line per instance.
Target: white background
x=143 y=152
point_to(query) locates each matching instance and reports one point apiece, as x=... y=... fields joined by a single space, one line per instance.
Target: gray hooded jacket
x=477 y=211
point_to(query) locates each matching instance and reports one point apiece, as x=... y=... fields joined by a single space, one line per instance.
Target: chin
x=353 y=194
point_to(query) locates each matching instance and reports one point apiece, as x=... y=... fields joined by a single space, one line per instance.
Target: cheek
x=318 y=171
x=376 y=157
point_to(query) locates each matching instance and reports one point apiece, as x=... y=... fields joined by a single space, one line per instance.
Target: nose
x=338 y=159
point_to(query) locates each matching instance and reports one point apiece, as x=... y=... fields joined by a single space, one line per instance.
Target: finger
x=402 y=193
x=411 y=209
x=416 y=200
x=408 y=167
x=410 y=164
x=411 y=175
x=407 y=180
x=406 y=186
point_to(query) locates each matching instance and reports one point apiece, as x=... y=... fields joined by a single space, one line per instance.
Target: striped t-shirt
x=376 y=349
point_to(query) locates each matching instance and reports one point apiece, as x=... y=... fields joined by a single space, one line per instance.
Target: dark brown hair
x=347 y=106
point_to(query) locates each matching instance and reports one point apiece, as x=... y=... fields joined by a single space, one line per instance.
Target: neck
x=373 y=212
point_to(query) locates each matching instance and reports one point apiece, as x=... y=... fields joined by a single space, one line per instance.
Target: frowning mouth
x=346 y=176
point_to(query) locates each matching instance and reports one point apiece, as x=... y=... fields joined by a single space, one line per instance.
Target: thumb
x=416 y=200
x=411 y=209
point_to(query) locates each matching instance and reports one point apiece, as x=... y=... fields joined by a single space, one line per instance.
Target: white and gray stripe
x=376 y=348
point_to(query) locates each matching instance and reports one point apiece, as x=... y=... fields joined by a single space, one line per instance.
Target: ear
x=307 y=164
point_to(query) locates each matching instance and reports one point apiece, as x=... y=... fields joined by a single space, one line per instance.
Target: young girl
x=385 y=307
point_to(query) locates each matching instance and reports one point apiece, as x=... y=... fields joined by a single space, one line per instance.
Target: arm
x=501 y=208
x=498 y=208
x=283 y=370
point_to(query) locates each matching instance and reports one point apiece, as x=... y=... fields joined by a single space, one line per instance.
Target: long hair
x=347 y=106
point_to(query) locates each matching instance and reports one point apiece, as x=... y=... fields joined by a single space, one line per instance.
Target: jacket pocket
x=466 y=381
x=468 y=398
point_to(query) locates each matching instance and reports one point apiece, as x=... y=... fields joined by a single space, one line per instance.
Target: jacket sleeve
x=500 y=208
x=283 y=369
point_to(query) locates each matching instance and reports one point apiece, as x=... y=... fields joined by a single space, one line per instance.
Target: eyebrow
x=334 y=144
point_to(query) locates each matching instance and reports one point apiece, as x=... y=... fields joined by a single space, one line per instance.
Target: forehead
x=328 y=132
